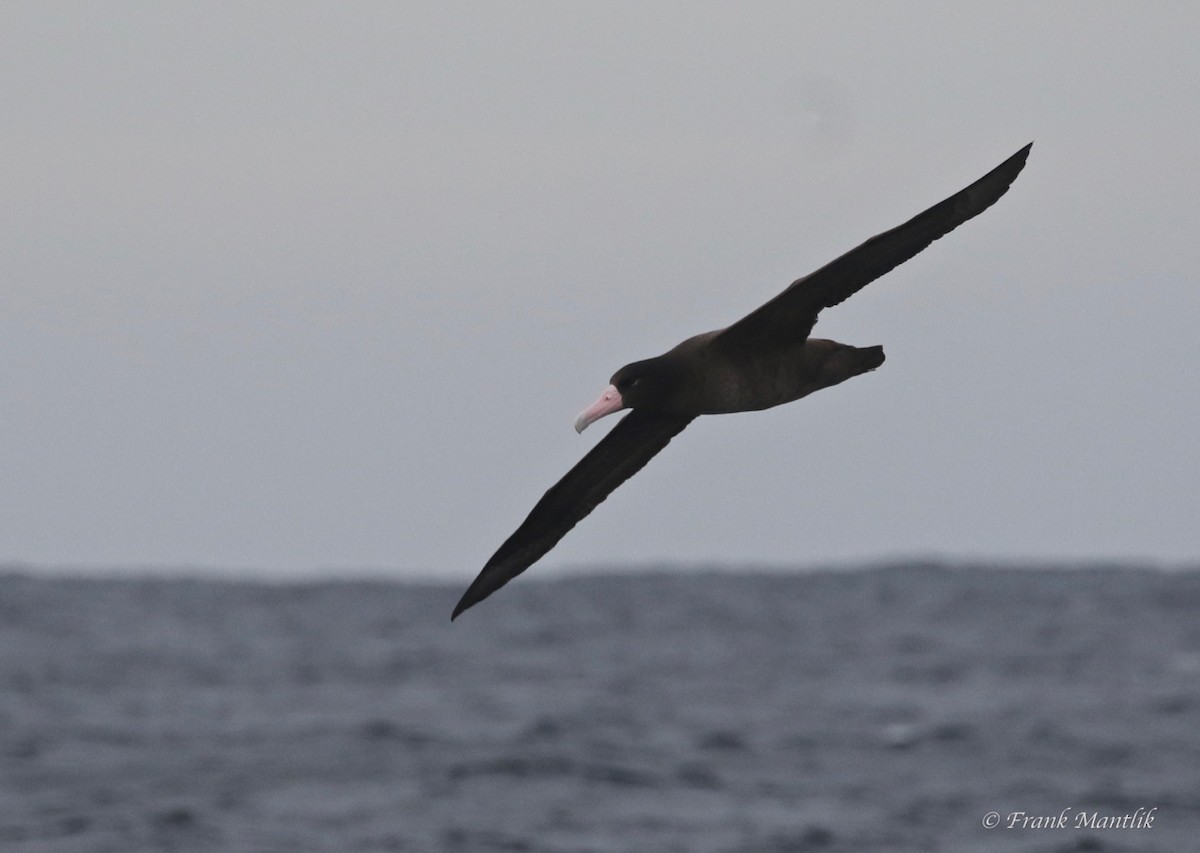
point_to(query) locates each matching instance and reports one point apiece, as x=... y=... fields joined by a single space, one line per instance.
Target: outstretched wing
x=622 y=453
x=790 y=316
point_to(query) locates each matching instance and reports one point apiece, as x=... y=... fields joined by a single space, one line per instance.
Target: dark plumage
x=764 y=359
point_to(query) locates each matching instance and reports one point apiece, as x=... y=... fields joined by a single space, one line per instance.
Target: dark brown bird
x=764 y=359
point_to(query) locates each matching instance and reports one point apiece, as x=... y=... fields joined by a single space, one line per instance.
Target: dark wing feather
x=622 y=453
x=790 y=316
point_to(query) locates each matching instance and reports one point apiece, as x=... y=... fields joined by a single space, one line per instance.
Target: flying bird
x=763 y=360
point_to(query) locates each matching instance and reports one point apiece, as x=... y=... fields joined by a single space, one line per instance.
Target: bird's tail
x=867 y=358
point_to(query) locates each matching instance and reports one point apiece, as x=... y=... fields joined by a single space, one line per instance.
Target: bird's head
x=648 y=384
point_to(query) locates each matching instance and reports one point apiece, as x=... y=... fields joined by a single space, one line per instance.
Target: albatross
x=763 y=360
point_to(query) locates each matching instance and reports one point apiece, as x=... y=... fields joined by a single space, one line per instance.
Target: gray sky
x=288 y=286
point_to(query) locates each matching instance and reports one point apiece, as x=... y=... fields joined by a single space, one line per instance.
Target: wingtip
x=1005 y=173
x=1017 y=159
x=475 y=593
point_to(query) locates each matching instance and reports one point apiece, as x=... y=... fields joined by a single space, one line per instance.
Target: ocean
x=894 y=708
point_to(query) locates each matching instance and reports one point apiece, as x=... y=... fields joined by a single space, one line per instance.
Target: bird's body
x=715 y=381
x=764 y=360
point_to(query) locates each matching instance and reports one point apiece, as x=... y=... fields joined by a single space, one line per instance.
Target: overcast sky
x=289 y=287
